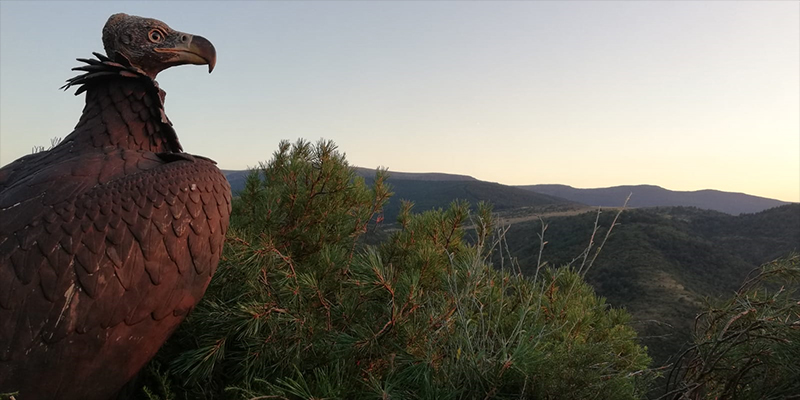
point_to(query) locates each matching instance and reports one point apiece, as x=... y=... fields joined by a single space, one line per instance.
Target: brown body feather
x=107 y=241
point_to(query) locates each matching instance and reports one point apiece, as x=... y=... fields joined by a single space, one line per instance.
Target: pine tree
x=302 y=308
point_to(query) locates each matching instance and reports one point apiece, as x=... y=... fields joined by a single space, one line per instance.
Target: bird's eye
x=156 y=36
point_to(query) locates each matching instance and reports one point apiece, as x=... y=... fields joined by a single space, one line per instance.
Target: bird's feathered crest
x=105 y=67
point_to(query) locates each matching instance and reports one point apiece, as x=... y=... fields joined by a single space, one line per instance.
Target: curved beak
x=201 y=47
x=193 y=49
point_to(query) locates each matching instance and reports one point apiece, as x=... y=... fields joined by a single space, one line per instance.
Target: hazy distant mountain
x=430 y=190
x=433 y=190
x=237 y=177
x=656 y=196
x=416 y=176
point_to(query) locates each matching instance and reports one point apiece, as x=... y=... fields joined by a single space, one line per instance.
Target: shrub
x=301 y=308
x=747 y=347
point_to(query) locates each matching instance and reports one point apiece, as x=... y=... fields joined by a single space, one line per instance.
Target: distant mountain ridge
x=434 y=189
x=416 y=176
x=656 y=196
x=427 y=195
x=236 y=177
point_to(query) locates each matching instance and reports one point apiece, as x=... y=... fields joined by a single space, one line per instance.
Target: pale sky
x=687 y=95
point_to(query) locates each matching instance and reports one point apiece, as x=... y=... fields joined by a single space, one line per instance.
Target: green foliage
x=301 y=308
x=661 y=263
x=158 y=383
x=747 y=347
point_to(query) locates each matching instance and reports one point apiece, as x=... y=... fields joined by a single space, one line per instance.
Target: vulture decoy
x=110 y=238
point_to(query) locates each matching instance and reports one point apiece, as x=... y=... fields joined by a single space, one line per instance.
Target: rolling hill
x=662 y=263
x=416 y=176
x=237 y=177
x=656 y=196
x=429 y=190
x=433 y=190
x=427 y=195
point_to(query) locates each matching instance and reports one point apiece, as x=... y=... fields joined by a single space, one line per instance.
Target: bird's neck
x=126 y=113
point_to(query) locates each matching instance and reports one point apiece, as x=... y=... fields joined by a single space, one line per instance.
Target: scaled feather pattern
x=107 y=240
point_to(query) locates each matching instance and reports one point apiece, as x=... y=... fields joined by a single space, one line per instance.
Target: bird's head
x=153 y=46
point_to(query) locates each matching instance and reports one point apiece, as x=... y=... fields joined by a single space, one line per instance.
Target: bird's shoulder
x=32 y=185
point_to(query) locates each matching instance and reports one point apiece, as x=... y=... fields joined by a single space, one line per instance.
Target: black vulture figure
x=110 y=238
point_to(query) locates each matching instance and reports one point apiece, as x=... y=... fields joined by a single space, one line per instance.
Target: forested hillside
x=656 y=196
x=427 y=195
x=661 y=263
